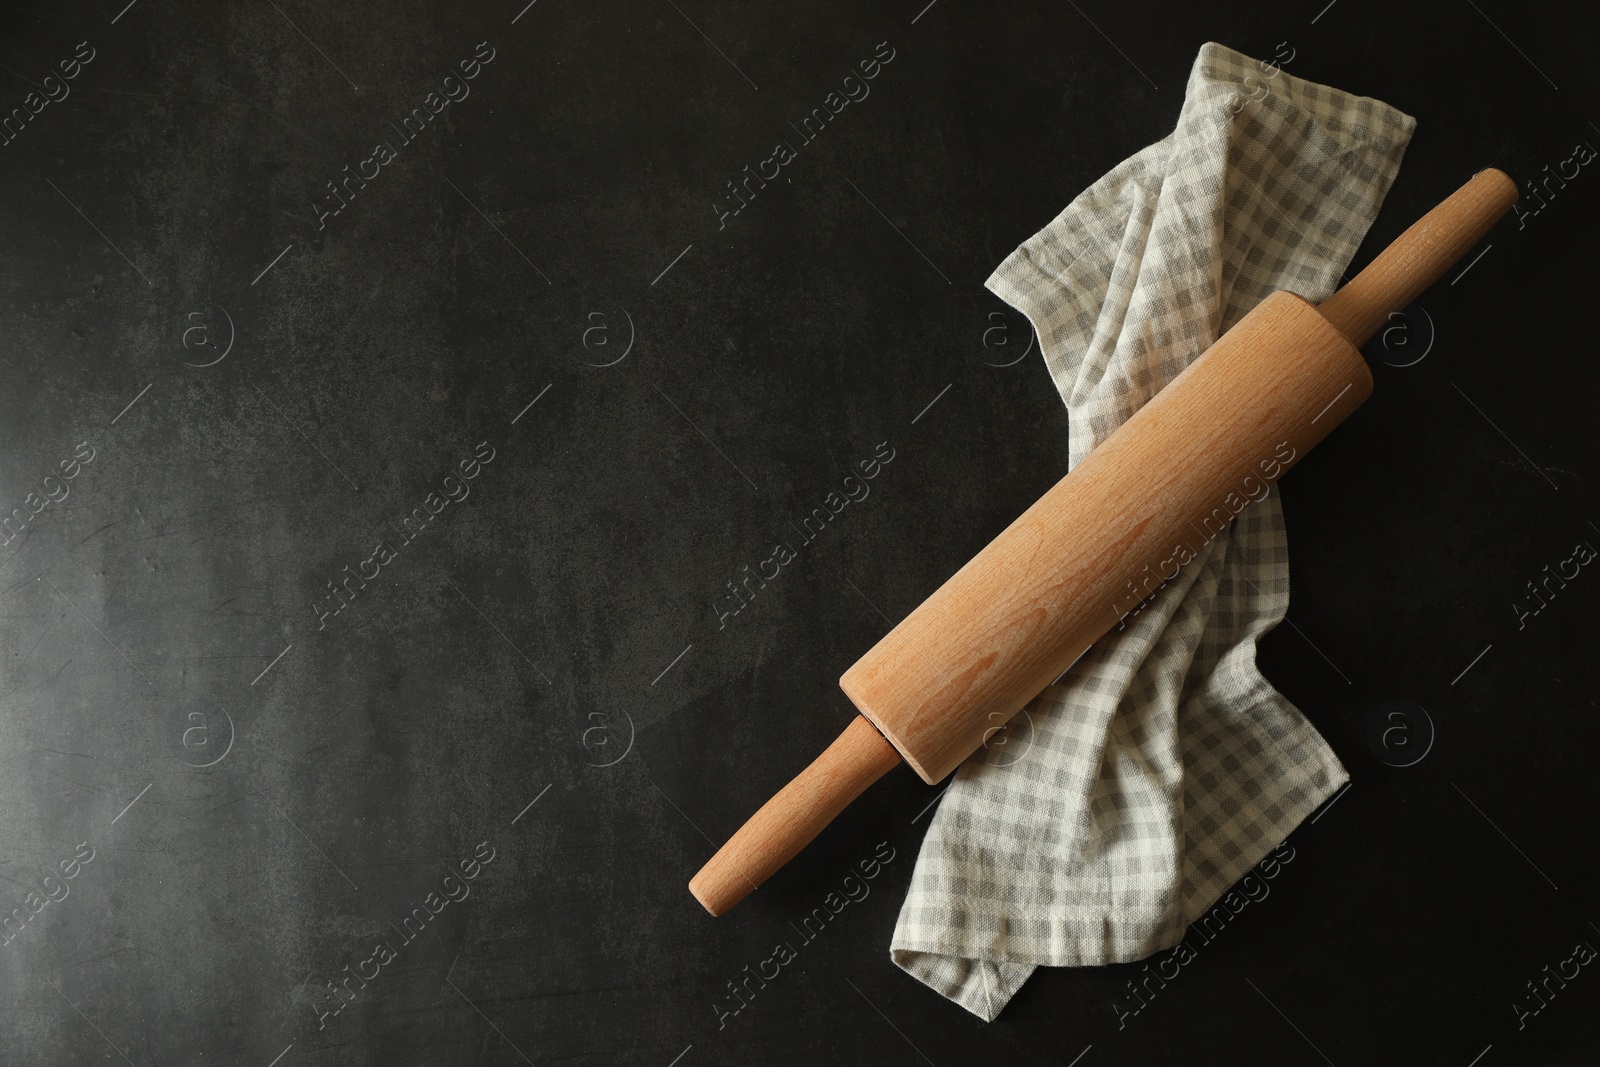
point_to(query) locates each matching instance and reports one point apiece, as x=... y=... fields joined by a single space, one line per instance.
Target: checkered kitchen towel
x=1130 y=796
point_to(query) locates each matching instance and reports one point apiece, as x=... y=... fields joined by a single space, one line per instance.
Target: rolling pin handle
x=788 y=822
x=1420 y=256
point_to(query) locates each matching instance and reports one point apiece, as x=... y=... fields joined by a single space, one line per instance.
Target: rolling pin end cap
x=715 y=902
x=1502 y=177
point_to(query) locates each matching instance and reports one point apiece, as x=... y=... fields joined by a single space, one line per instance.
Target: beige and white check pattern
x=1163 y=766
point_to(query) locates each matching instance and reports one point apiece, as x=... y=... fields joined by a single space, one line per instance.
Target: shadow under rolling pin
x=1103 y=538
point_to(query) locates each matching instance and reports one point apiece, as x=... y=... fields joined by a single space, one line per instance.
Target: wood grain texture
x=1150 y=496
x=787 y=823
x=1420 y=256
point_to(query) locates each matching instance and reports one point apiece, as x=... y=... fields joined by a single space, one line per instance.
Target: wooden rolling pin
x=1104 y=538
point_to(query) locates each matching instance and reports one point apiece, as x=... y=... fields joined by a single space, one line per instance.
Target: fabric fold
x=1130 y=795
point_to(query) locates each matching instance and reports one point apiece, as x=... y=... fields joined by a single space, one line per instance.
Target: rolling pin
x=1104 y=538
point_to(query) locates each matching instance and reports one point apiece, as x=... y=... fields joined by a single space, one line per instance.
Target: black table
x=399 y=389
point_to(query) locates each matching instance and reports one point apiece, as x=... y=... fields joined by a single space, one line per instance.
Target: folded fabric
x=1130 y=795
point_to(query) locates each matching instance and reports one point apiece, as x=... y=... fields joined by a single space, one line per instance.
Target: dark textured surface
x=161 y=615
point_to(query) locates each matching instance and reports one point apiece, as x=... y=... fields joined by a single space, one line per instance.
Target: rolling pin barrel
x=1107 y=536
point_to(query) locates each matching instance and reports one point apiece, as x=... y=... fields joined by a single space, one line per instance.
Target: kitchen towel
x=1130 y=795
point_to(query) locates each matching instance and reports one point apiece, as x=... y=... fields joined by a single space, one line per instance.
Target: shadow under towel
x=1162 y=767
